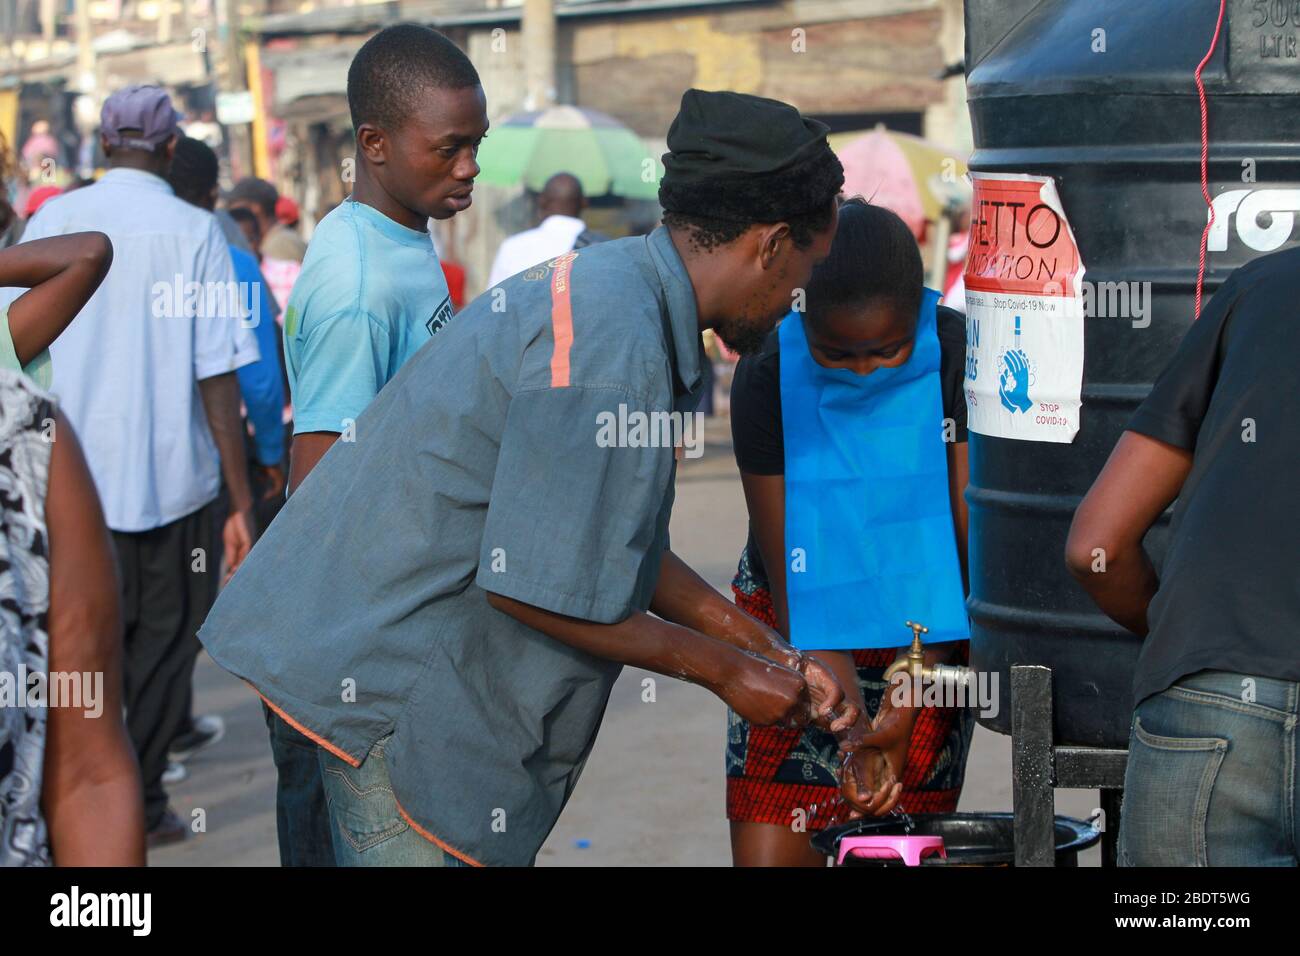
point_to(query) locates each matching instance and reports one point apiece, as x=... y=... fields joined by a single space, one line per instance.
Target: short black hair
x=242 y=214
x=259 y=192
x=396 y=66
x=814 y=185
x=193 y=172
x=873 y=256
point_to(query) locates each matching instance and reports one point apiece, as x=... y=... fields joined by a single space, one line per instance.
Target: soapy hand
x=868 y=784
x=768 y=694
x=831 y=710
x=876 y=756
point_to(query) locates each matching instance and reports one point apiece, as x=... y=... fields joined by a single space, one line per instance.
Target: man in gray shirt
x=445 y=602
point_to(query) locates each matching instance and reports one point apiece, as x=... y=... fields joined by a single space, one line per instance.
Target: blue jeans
x=368 y=828
x=1212 y=775
x=302 y=819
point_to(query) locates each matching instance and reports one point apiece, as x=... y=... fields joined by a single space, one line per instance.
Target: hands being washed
x=831 y=709
x=868 y=784
x=875 y=756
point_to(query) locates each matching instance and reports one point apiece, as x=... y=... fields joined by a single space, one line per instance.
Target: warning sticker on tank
x=1024 y=311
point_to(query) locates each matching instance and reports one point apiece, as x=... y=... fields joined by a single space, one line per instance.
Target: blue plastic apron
x=869 y=536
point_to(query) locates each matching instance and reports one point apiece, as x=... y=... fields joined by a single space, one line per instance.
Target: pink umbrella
x=876 y=168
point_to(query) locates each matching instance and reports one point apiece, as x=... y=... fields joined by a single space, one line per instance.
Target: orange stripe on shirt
x=322 y=742
x=561 y=318
x=315 y=738
x=463 y=857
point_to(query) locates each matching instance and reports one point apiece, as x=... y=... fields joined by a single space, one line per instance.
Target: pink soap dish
x=910 y=849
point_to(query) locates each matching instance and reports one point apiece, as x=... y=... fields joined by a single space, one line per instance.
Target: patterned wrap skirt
x=774 y=775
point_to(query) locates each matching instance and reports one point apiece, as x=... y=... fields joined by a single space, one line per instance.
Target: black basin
x=970 y=839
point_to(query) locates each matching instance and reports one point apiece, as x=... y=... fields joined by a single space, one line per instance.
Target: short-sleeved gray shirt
x=480 y=467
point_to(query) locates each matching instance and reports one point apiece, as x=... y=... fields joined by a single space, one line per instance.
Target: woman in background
x=849 y=428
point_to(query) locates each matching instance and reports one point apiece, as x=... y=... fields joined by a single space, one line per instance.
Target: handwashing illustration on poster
x=1024 y=311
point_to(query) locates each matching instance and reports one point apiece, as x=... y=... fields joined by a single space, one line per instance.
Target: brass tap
x=914 y=662
x=917 y=670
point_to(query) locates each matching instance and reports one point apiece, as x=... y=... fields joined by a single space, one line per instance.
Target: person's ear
x=105 y=145
x=169 y=149
x=373 y=144
x=774 y=241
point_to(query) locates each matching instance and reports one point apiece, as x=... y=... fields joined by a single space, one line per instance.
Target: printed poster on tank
x=1024 y=311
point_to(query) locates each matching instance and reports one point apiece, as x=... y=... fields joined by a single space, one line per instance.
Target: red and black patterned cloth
x=774 y=774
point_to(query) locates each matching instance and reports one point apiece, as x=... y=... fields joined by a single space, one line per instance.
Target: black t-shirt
x=1229 y=595
x=756 y=429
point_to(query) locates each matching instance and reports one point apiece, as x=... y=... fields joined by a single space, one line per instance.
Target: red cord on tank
x=1205 y=154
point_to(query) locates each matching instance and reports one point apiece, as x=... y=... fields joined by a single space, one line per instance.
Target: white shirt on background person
x=554 y=237
x=126 y=370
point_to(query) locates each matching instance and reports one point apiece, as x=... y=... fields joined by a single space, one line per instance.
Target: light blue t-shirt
x=370 y=294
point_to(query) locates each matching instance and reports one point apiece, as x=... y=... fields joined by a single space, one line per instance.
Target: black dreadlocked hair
x=811 y=186
x=396 y=66
x=873 y=256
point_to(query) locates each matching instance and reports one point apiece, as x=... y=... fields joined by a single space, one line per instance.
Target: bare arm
x=760 y=690
x=867 y=782
x=307 y=450
x=682 y=596
x=892 y=729
x=685 y=598
x=958 y=478
x=61 y=274
x=1104 y=551
x=221 y=404
x=91 y=797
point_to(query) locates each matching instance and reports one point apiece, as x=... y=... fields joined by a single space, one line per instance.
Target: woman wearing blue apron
x=849 y=428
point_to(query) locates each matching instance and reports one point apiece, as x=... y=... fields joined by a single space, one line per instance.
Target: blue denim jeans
x=302 y=819
x=1212 y=775
x=368 y=828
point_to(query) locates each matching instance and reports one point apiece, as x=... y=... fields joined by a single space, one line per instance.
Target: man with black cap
x=146 y=376
x=444 y=604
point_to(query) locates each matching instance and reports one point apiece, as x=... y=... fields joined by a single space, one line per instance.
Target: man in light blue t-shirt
x=371 y=293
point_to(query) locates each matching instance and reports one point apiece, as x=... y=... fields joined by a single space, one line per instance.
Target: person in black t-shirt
x=861 y=315
x=1212 y=772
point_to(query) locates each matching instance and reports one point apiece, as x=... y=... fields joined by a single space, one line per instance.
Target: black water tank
x=1119 y=131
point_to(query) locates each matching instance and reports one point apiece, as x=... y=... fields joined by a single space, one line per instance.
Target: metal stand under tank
x=1039 y=766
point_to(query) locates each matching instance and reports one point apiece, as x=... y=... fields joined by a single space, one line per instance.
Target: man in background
x=280 y=247
x=561 y=230
x=193 y=177
x=151 y=389
x=260 y=198
x=250 y=232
